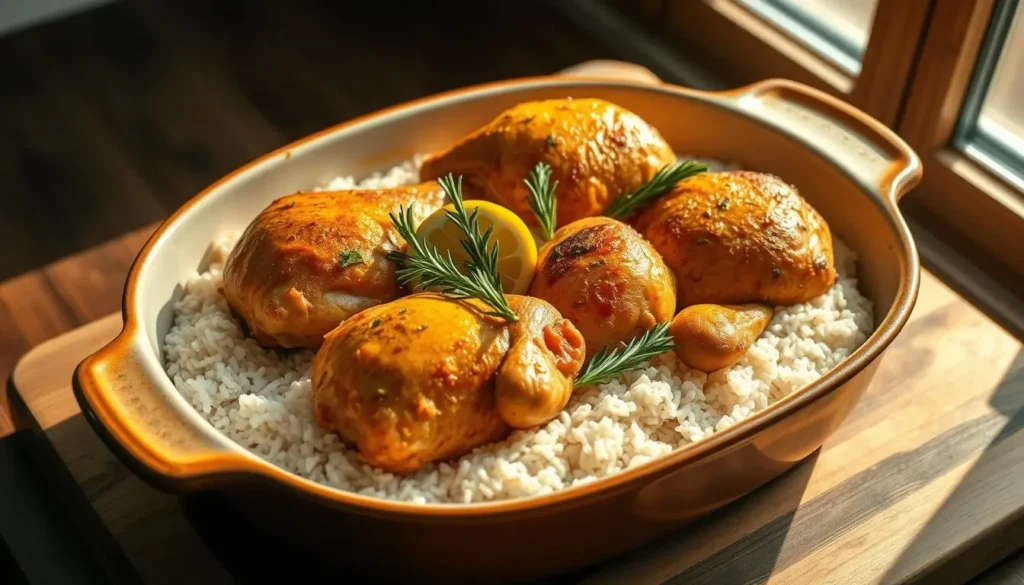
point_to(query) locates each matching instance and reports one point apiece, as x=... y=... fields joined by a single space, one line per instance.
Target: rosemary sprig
x=428 y=268
x=606 y=364
x=662 y=182
x=475 y=244
x=542 y=198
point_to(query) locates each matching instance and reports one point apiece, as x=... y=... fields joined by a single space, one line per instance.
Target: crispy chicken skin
x=428 y=378
x=605 y=278
x=311 y=260
x=596 y=151
x=740 y=237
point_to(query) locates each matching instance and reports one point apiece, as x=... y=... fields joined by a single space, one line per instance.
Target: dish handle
x=137 y=421
x=868 y=150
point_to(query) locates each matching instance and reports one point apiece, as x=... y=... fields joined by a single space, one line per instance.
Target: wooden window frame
x=728 y=33
x=917 y=69
x=974 y=209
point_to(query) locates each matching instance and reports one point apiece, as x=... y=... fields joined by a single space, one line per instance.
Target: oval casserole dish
x=846 y=164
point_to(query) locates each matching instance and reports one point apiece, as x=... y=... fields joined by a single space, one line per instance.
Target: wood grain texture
x=920 y=483
x=1008 y=572
x=890 y=57
x=42 y=304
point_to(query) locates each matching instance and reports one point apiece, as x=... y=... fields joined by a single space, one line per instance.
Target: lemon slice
x=517 y=248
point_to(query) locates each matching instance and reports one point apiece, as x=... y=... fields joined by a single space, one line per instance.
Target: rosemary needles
x=664 y=180
x=428 y=268
x=542 y=198
x=608 y=364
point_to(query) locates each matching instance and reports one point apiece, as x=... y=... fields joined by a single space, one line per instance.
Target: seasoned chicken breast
x=596 y=151
x=740 y=237
x=428 y=378
x=605 y=278
x=311 y=260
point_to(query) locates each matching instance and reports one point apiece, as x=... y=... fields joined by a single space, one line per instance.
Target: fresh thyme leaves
x=428 y=268
x=608 y=364
x=662 y=182
x=350 y=257
x=542 y=198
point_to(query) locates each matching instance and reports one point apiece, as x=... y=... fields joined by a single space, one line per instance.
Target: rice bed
x=262 y=399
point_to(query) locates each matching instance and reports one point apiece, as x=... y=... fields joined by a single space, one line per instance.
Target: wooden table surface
x=42 y=304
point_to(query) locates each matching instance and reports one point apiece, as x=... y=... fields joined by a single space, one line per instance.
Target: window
x=862 y=51
x=947 y=75
x=962 y=118
x=837 y=29
x=992 y=124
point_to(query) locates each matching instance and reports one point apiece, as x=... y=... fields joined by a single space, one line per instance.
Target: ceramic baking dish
x=849 y=166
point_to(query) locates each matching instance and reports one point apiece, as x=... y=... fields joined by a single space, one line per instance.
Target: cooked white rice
x=262 y=399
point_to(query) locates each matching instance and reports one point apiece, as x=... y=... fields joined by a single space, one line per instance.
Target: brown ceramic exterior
x=849 y=166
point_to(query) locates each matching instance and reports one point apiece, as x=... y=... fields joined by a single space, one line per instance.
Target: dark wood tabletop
x=43 y=303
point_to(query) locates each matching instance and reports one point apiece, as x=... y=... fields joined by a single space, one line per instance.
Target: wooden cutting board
x=924 y=481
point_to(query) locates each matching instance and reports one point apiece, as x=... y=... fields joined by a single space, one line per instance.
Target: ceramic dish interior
x=851 y=168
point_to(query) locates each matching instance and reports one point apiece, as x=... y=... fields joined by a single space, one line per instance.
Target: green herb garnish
x=662 y=182
x=350 y=257
x=550 y=140
x=632 y=356
x=428 y=268
x=542 y=198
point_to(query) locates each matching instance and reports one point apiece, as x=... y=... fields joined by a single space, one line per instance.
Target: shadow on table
x=781 y=542
x=991 y=430
x=746 y=560
x=220 y=526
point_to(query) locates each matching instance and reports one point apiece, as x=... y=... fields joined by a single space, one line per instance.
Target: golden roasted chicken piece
x=740 y=237
x=428 y=378
x=595 y=148
x=311 y=260
x=605 y=278
x=712 y=337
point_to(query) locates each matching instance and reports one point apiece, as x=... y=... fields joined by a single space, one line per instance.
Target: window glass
x=837 y=29
x=992 y=127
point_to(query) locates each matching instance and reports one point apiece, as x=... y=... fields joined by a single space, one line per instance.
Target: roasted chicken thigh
x=311 y=260
x=740 y=237
x=596 y=150
x=428 y=377
x=605 y=278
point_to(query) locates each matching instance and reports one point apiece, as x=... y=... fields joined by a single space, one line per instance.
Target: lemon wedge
x=517 y=248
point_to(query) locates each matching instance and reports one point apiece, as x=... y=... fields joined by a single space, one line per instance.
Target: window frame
x=727 y=32
x=978 y=211
x=970 y=137
x=919 y=64
x=807 y=29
